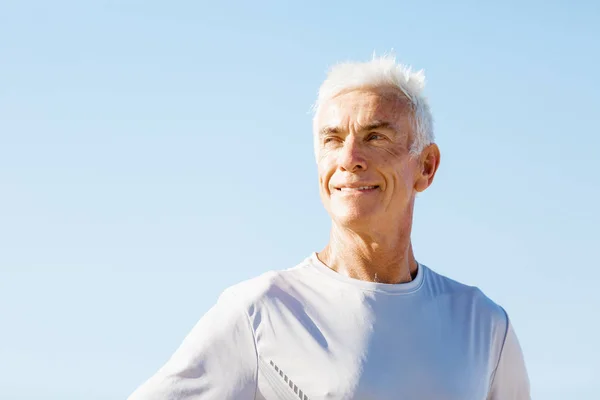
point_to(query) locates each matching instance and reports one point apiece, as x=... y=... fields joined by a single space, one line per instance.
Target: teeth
x=344 y=189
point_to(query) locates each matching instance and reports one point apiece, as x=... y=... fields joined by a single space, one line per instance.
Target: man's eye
x=328 y=140
x=375 y=136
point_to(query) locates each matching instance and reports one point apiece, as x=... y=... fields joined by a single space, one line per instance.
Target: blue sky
x=153 y=153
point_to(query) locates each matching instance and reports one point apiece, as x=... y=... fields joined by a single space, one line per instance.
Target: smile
x=357 y=189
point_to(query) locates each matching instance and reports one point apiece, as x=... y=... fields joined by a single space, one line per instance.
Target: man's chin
x=353 y=216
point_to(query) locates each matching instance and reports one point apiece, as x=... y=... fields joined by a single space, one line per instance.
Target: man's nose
x=351 y=157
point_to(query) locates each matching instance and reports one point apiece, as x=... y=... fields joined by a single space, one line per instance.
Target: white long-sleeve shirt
x=311 y=333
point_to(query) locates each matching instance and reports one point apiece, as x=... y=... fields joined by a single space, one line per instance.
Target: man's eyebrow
x=334 y=130
x=377 y=125
x=329 y=130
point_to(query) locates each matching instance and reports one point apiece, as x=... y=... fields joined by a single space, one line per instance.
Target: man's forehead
x=362 y=109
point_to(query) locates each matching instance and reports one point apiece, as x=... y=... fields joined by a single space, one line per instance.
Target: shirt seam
x=238 y=303
x=501 y=351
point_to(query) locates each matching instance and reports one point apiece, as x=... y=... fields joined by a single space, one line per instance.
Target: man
x=362 y=319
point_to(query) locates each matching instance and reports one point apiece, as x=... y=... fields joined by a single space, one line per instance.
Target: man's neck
x=379 y=257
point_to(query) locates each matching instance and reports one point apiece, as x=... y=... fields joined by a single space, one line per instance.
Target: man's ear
x=429 y=161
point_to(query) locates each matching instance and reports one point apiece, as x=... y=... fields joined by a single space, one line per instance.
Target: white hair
x=382 y=72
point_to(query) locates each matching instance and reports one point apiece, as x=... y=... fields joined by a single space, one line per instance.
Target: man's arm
x=510 y=381
x=216 y=361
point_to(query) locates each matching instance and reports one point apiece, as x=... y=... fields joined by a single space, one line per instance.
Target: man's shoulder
x=455 y=291
x=268 y=285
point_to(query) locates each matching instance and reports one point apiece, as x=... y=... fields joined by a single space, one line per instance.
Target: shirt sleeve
x=510 y=381
x=216 y=361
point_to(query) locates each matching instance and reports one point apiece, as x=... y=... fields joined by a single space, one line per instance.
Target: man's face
x=366 y=173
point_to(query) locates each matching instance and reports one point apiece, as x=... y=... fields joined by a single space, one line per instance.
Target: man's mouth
x=357 y=189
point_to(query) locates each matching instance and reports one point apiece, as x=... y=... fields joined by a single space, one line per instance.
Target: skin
x=364 y=139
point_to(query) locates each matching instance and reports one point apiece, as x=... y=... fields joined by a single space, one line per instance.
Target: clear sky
x=153 y=153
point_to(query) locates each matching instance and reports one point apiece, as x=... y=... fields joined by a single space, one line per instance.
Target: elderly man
x=362 y=319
